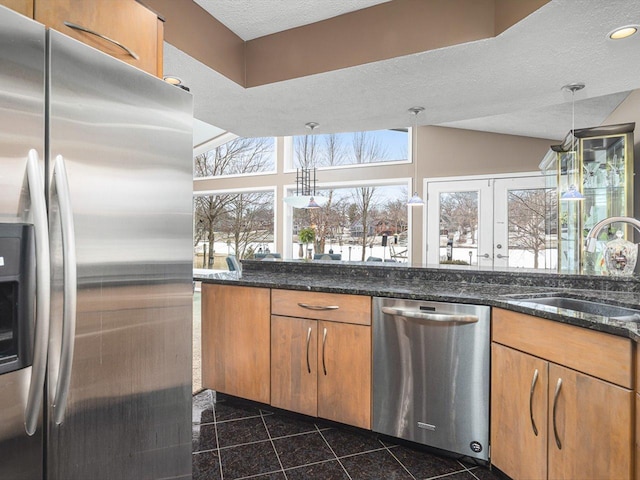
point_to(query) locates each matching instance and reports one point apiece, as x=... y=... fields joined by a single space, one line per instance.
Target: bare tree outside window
x=529 y=225
x=248 y=222
x=239 y=156
x=219 y=218
x=458 y=218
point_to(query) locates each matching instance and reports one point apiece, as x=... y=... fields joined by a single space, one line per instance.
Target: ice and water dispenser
x=17 y=295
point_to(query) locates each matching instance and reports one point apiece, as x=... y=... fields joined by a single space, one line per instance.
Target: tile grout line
x=215 y=426
x=332 y=451
x=273 y=445
x=398 y=460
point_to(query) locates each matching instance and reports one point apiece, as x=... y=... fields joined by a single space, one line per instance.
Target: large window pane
x=357 y=223
x=238 y=224
x=327 y=150
x=239 y=156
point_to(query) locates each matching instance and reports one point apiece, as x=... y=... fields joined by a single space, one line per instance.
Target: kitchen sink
x=584 y=306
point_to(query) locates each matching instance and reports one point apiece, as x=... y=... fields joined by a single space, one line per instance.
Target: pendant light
x=415 y=200
x=306 y=196
x=573 y=194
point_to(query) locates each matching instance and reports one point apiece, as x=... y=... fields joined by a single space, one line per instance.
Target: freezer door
x=22 y=61
x=125 y=139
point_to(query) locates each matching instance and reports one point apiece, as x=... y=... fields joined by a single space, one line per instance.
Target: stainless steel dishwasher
x=431 y=374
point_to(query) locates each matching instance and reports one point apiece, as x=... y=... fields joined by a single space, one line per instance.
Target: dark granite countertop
x=496 y=289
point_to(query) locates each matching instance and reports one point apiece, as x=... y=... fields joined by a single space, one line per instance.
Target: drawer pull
x=533 y=386
x=555 y=404
x=104 y=37
x=308 y=341
x=318 y=307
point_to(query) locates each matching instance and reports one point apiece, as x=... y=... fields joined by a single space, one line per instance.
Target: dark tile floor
x=233 y=439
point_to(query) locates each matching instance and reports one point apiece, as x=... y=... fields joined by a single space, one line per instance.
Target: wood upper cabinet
x=123 y=21
x=25 y=7
x=518 y=413
x=589 y=405
x=321 y=355
x=236 y=341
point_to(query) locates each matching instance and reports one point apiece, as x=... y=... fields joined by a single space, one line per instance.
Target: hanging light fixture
x=415 y=200
x=573 y=193
x=306 y=196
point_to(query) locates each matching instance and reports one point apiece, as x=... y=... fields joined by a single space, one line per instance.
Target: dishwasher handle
x=432 y=317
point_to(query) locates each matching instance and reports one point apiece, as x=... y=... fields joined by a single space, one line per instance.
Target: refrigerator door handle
x=70 y=290
x=43 y=293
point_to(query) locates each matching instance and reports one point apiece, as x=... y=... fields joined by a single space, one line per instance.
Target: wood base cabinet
x=551 y=421
x=294 y=364
x=322 y=367
x=236 y=341
x=518 y=413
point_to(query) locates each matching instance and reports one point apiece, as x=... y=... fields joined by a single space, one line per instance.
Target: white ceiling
x=507 y=84
x=257 y=18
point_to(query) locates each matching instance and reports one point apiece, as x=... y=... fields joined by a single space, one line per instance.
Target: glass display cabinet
x=600 y=168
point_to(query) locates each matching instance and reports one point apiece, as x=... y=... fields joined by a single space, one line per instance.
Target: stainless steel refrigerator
x=95 y=263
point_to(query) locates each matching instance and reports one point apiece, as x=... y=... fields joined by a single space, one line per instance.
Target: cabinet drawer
x=605 y=356
x=322 y=306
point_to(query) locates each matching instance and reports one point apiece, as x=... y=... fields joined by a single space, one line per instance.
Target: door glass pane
x=458 y=228
x=532 y=228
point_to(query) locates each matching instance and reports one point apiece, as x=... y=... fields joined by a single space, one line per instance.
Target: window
x=239 y=224
x=331 y=150
x=356 y=223
x=237 y=157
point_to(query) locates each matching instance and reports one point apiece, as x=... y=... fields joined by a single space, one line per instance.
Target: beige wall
x=449 y=152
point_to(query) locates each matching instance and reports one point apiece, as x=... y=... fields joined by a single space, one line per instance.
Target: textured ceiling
x=257 y=18
x=507 y=84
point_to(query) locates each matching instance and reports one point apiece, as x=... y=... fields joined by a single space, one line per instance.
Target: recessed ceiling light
x=623 y=32
x=172 y=80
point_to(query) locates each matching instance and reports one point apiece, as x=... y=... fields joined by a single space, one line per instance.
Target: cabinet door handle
x=75 y=26
x=555 y=404
x=318 y=307
x=533 y=386
x=324 y=340
x=308 y=341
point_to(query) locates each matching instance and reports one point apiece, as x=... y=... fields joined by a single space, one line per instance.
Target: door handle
x=533 y=386
x=434 y=317
x=43 y=293
x=75 y=26
x=70 y=288
x=324 y=340
x=308 y=341
x=555 y=404
x=486 y=255
x=502 y=256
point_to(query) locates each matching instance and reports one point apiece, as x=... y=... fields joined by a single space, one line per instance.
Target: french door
x=506 y=222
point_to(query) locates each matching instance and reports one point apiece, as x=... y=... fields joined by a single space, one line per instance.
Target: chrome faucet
x=590 y=241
